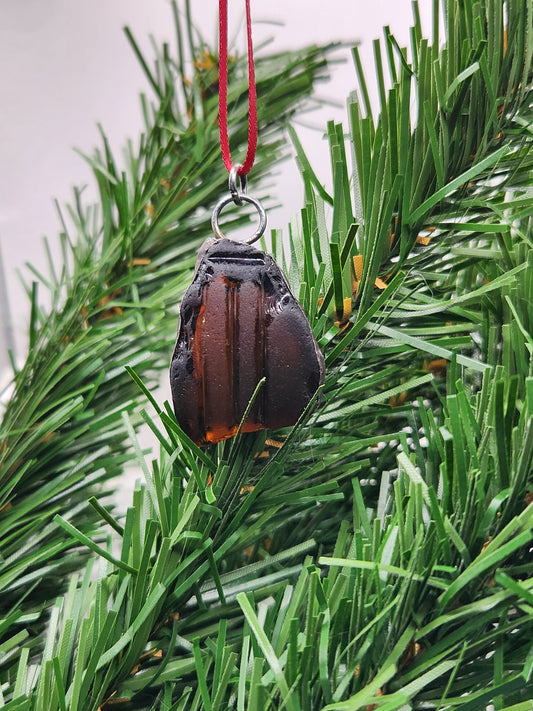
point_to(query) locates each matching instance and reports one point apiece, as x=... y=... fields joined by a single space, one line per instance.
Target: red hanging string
x=223 y=91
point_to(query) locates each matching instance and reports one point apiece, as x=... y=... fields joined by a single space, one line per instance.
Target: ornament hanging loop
x=237 y=193
x=221 y=204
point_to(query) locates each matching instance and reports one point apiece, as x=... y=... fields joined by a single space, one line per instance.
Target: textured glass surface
x=239 y=323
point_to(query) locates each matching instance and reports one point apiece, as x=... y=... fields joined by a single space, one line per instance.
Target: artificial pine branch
x=378 y=554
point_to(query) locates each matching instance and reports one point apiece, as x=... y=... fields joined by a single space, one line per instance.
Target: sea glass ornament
x=239 y=322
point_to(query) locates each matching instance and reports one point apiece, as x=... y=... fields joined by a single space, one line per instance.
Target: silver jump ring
x=221 y=204
x=237 y=194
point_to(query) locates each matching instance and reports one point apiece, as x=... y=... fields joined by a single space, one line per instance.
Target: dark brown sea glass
x=239 y=323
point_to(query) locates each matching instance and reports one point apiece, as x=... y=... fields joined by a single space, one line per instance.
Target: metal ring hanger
x=239 y=196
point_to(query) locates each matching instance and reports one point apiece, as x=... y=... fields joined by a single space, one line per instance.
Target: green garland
x=377 y=555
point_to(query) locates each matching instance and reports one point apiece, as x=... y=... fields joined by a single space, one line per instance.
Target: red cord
x=223 y=91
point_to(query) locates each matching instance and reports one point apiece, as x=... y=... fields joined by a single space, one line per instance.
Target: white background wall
x=66 y=65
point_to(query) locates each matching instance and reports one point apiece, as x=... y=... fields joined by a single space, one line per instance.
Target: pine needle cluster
x=378 y=555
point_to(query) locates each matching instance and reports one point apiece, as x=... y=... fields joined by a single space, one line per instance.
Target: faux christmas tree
x=378 y=553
